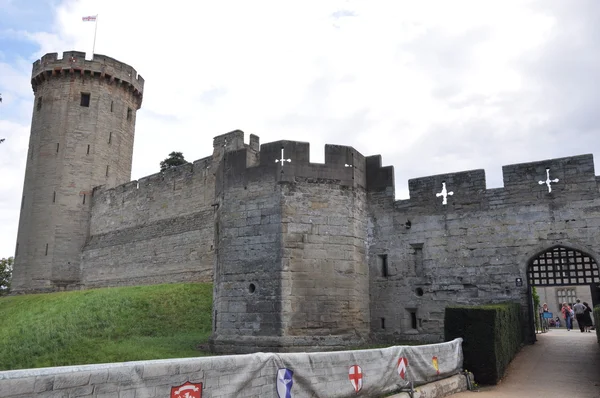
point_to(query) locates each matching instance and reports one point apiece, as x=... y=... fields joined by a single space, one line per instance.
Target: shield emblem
x=187 y=390
x=284 y=383
x=402 y=365
x=355 y=375
x=436 y=365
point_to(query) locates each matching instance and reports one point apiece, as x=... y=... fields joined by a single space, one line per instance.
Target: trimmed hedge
x=597 y=321
x=492 y=336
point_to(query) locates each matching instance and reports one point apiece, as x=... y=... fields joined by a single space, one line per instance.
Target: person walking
x=566 y=311
x=579 y=310
x=587 y=317
x=545 y=321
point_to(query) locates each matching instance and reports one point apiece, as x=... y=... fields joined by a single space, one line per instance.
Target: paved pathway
x=560 y=364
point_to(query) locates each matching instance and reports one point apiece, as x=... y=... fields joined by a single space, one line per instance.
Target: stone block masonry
x=473 y=249
x=368 y=373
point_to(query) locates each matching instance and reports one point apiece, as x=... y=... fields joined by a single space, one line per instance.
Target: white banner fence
x=360 y=373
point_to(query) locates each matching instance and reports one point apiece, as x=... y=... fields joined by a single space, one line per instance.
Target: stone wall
x=256 y=375
x=155 y=230
x=472 y=249
x=291 y=264
x=325 y=272
x=247 y=281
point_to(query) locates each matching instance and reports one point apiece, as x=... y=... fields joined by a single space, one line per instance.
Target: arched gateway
x=562 y=266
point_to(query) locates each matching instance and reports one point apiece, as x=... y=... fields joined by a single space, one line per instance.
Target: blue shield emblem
x=284 y=383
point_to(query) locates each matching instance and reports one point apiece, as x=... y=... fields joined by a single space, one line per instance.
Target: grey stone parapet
x=100 y=66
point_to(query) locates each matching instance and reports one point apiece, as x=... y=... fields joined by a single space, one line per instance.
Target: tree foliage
x=175 y=159
x=6 y=266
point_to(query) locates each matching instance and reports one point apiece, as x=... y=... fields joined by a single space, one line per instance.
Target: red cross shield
x=355 y=375
x=187 y=390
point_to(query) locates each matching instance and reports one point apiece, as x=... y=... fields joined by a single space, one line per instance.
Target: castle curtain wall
x=472 y=250
x=156 y=230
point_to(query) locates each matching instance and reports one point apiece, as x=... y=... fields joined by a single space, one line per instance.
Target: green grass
x=104 y=325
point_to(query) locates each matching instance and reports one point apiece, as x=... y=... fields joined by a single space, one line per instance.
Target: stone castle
x=302 y=254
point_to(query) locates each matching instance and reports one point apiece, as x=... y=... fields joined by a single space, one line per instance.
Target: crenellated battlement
x=101 y=66
x=170 y=180
x=561 y=179
x=233 y=163
x=290 y=160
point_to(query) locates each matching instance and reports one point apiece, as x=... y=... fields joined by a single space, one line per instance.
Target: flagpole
x=95 y=30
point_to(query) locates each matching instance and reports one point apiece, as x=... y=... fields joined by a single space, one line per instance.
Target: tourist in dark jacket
x=587 y=317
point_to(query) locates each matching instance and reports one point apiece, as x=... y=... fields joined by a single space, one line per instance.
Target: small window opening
x=419 y=291
x=39 y=104
x=129 y=112
x=215 y=325
x=413 y=319
x=383 y=265
x=17 y=250
x=45 y=254
x=418 y=258
x=107 y=170
x=57 y=147
x=22 y=202
x=54 y=197
x=32 y=149
x=88 y=150
x=252 y=288
x=111 y=106
x=83 y=198
x=85 y=99
x=383 y=323
x=110 y=137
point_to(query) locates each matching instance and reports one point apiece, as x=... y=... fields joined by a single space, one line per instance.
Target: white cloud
x=434 y=86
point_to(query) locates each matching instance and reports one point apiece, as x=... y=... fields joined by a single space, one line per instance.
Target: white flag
x=91 y=18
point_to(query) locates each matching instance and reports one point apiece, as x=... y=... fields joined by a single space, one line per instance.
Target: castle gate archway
x=562 y=266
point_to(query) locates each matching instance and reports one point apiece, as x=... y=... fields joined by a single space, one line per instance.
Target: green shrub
x=597 y=321
x=492 y=336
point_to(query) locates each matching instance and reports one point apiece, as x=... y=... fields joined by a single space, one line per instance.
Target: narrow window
x=54 y=197
x=85 y=99
x=111 y=105
x=129 y=113
x=46 y=250
x=22 y=202
x=215 y=326
x=413 y=319
x=17 y=250
x=107 y=170
x=83 y=198
x=88 y=150
x=32 y=148
x=39 y=104
x=418 y=258
x=382 y=265
x=57 y=147
x=110 y=137
x=383 y=323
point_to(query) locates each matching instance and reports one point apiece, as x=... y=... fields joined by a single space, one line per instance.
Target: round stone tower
x=82 y=133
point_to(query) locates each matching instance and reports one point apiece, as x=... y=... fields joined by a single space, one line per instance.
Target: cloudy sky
x=432 y=86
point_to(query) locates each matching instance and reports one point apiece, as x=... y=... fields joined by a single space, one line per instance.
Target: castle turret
x=82 y=134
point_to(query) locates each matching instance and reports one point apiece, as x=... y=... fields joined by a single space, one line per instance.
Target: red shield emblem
x=187 y=390
x=355 y=375
x=402 y=365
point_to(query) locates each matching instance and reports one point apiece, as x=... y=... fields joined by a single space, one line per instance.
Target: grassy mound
x=104 y=325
